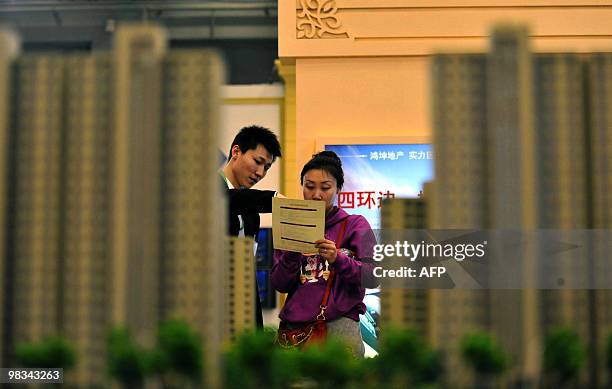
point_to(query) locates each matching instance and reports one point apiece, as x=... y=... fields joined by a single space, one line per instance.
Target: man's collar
x=227 y=181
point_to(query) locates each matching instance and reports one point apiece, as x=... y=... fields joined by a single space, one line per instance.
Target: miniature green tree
x=564 y=356
x=327 y=365
x=254 y=361
x=178 y=356
x=485 y=356
x=51 y=352
x=128 y=363
x=405 y=360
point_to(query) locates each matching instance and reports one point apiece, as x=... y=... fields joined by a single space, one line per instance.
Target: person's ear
x=236 y=151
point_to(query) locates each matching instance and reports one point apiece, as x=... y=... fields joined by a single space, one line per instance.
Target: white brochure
x=297 y=224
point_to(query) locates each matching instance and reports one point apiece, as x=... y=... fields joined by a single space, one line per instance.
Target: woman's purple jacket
x=352 y=275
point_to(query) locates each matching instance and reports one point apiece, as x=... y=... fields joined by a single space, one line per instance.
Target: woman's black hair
x=328 y=161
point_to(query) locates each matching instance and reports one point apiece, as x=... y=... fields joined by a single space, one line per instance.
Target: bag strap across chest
x=330 y=280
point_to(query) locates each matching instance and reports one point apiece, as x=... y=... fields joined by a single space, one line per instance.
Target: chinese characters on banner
x=367 y=199
x=395 y=155
x=374 y=172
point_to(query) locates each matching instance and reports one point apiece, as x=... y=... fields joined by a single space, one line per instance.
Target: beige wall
x=360 y=97
x=246 y=105
x=367 y=73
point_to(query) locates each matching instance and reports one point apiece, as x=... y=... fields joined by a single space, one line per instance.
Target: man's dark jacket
x=248 y=203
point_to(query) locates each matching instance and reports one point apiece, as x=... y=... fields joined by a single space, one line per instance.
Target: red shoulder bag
x=316 y=331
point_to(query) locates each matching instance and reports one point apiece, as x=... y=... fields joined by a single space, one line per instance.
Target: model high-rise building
x=9 y=49
x=600 y=85
x=194 y=250
x=240 y=300
x=136 y=180
x=84 y=266
x=403 y=307
x=37 y=219
x=562 y=176
x=459 y=195
x=112 y=199
x=522 y=144
x=512 y=190
x=600 y=147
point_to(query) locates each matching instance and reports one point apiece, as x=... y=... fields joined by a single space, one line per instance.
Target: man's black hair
x=249 y=137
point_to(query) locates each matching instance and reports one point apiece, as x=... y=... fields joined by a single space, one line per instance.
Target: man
x=251 y=155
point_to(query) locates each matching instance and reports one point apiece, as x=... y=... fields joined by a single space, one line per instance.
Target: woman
x=344 y=258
